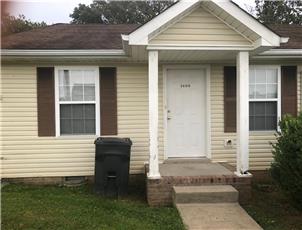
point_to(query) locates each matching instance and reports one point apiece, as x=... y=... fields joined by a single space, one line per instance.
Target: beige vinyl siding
x=200 y=28
x=259 y=144
x=27 y=155
x=133 y=112
x=24 y=154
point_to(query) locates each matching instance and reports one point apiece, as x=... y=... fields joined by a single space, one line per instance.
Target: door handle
x=168 y=117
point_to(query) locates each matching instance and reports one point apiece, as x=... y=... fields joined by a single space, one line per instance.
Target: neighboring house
x=170 y=85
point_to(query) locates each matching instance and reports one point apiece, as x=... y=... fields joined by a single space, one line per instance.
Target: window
x=77 y=101
x=264 y=98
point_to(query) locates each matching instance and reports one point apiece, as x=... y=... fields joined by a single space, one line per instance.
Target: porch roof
x=226 y=11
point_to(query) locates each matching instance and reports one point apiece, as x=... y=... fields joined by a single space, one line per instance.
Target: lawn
x=50 y=207
x=272 y=210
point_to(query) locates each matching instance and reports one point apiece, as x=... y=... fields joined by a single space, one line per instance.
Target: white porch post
x=242 y=113
x=153 y=115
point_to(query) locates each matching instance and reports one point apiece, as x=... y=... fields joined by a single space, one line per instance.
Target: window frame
x=278 y=99
x=96 y=102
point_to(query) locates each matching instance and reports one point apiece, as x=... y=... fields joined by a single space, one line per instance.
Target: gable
x=256 y=35
x=200 y=28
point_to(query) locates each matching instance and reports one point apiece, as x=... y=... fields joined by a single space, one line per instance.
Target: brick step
x=204 y=194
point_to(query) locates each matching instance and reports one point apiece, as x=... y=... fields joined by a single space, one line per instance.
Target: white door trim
x=207 y=68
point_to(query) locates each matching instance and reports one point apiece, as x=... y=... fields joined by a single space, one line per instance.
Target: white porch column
x=153 y=115
x=242 y=113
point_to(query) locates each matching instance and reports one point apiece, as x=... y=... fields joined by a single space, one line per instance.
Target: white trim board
x=96 y=52
x=207 y=68
x=141 y=35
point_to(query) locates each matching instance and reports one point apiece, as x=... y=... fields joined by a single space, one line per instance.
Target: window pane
x=76 y=77
x=89 y=93
x=90 y=126
x=252 y=123
x=89 y=77
x=78 y=126
x=65 y=111
x=89 y=111
x=64 y=77
x=76 y=84
x=252 y=78
x=271 y=123
x=259 y=109
x=272 y=76
x=64 y=92
x=77 y=119
x=64 y=88
x=66 y=126
x=252 y=108
x=260 y=76
x=263 y=116
x=261 y=91
x=77 y=93
x=272 y=91
x=252 y=91
x=270 y=108
x=260 y=123
x=78 y=111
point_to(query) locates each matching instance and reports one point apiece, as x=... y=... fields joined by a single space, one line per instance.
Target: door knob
x=168 y=117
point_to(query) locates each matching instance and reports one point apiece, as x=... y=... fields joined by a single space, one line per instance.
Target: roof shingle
x=100 y=36
x=70 y=36
x=294 y=32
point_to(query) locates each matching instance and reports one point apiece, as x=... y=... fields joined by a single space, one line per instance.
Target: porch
x=193 y=172
x=188 y=131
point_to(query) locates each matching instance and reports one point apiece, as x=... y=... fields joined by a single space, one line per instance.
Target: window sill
x=262 y=133
x=76 y=137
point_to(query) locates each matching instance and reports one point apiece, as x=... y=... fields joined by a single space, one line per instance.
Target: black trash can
x=112 y=157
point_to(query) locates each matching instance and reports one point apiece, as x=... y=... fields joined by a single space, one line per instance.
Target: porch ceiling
x=139 y=53
x=205 y=56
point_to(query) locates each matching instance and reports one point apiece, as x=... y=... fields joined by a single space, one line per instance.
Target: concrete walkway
x=211 y=216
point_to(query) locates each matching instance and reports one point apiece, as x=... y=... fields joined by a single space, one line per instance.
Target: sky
x=58 y=11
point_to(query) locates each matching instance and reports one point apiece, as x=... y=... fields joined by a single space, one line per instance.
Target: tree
x=119 y=12
x=279 y=12
x=11 y=24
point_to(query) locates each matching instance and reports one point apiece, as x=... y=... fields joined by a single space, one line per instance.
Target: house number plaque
x=185 y=86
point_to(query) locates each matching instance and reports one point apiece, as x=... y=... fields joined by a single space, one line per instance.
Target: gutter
x=18 y=52
x=281 y=53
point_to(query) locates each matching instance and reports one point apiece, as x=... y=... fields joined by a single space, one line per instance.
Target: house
x=202 y=79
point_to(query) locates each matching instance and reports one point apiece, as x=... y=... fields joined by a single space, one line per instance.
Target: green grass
x=50 y=207
x=272 y=210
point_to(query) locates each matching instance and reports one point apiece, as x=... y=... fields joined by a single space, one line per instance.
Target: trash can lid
x=112 y=141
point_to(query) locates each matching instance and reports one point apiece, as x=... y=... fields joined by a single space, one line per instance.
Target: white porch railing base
x=153 y=176
x=243 y=175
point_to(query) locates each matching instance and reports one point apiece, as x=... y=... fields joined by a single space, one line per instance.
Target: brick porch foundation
x=159 y=191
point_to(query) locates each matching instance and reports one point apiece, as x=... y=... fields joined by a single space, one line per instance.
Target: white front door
x=186 y=112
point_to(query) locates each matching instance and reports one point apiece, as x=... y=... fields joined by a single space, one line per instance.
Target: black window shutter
x=108 y=101
x=289 y=90
x=229 y=99
x=46 y=101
